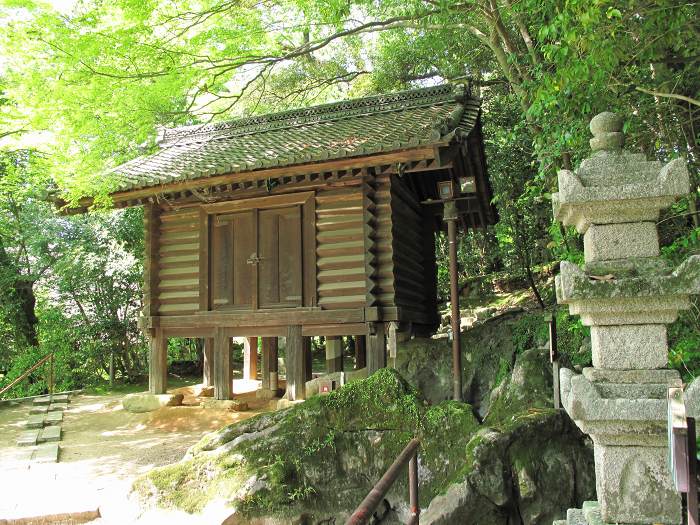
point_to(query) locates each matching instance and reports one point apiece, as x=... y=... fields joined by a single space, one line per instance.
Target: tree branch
x=690 y=100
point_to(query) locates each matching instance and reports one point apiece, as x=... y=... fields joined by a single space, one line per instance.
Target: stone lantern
x=628 y=295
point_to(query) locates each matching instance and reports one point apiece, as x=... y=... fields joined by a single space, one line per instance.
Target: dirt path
x=104 y=448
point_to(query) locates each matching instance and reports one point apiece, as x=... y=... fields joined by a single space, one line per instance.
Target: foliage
x=86 y=88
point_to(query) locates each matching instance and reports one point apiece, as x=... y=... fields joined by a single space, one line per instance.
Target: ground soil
x=103 y=449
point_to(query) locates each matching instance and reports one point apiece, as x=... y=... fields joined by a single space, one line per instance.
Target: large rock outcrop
x=314 y=462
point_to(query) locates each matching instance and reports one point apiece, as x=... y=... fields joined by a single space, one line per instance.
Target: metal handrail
x=26 y=374
x=409 y=455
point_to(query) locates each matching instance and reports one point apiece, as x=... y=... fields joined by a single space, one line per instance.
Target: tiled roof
x=365 y=126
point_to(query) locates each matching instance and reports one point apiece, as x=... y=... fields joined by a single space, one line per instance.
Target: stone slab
x=53 y=417
x=45 y=400
x=39 y=409
x=138 y=403
x=603 y=242
x=625 y=347
x=597 y=375
x=58 y=406
x=35 y=421
x=46 y=453
x=225 y=404
x=28 y=438
x=61 y=398
x=203 y=391
x=50 y=433
x=268 y=393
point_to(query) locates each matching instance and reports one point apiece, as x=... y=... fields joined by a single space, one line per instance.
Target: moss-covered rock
x=529 y=386
x=321 y=457
x=489 y=352
x=528 y=471
x=317 y=460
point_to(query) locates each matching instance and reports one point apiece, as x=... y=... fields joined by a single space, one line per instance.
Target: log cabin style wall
x=305 y=223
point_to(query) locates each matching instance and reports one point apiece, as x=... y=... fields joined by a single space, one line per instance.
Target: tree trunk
x=24 y=289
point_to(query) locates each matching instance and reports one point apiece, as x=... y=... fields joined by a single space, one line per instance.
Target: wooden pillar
x=360 y=352
x=308 y=358
x=334 y=354
x=250 y=358
x=208 y=362
x=269 y=363
x=296 y=364
x=376 y=348
x=222 y=365
x=158 y=363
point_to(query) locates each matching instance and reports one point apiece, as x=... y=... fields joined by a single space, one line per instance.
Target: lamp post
x=450 y=216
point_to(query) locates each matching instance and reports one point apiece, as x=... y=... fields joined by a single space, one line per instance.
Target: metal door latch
x=254 y=259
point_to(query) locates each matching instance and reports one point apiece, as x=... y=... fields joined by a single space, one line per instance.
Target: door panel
x=221 y=263
x=279 y=244
x=243 y=249
x=232 y=245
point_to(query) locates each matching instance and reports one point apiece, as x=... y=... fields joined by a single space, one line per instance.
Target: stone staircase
x=43 y=429
x=589 y=514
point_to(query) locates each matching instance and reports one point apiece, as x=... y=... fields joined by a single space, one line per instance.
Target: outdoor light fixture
x=446 y=189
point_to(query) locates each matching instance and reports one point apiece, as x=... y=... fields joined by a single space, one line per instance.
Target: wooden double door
x=256 y=258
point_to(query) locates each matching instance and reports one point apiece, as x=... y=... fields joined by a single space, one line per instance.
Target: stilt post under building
x=222 y=365
x=250 y=358
x=334 y=354
x=376 y=348
x=296 y=364
x=208 y=362
x=158 y=363
x=450 y=217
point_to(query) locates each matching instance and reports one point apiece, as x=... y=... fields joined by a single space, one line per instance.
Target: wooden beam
x=158 y=363
x=296 y=383
x=279 y=317
x=334 y=329
x=222 y=366
x=274 y=201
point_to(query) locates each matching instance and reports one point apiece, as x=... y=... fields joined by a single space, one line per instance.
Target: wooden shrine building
x=312 y=222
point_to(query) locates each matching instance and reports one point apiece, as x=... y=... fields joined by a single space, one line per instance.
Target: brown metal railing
x=409 y=455
x=36 y=365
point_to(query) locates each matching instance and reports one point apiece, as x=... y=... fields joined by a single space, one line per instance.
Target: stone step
x=575 y=517
x=43 y=400
x=61 y=398
x=39 y=409
x=35 y=421
x=46 y=453
x=58 y=406
x=559 y=522
x=51 y=433
x=53 y=418
x=28 y=438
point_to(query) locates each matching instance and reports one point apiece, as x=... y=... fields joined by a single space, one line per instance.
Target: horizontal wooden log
x=279 y=317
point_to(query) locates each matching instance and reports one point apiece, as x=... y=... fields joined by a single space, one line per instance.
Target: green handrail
x=26 y=374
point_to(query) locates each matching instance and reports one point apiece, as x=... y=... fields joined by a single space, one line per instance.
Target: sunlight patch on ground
x=103 y=449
